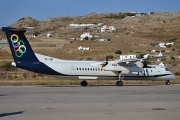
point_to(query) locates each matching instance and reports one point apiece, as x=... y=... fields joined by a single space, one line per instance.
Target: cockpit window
x=166 y=69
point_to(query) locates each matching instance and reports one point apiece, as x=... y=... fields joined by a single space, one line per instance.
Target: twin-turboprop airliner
x=119 y=70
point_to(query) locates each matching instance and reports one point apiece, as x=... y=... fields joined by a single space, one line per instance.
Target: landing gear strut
x=84 y=83
x=167 y=82
x=120 y=82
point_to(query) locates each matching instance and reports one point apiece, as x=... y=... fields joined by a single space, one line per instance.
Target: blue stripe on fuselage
x=38 y=67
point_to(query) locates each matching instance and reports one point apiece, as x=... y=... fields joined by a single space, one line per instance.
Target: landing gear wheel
x=119 y=83
x=84 y=83
x=167 y=82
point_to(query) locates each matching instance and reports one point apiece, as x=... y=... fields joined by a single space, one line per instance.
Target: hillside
x=134 y=35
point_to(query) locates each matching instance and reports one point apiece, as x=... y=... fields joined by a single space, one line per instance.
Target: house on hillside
x=80 y=25
x=163 y=45
x=106 y=29
x=48 y=35
x=140 y=14
x=152 y=56
x=123 y=57
x=3 y=41
x=83 y=48
x=84 y=35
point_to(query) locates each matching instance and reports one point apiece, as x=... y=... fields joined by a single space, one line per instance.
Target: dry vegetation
x=132 y=34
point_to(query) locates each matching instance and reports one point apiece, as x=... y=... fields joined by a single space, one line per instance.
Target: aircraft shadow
x=99 y=85
x=125 y=85
x=8 y=114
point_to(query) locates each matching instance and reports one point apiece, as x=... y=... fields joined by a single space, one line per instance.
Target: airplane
x=128 y=69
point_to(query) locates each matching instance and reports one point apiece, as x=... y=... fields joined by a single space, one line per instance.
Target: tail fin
x=20 y=48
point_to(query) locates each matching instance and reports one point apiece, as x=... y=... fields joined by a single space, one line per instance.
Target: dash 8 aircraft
x=119 y=70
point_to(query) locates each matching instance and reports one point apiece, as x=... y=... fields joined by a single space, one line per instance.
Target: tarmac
x=129 y=102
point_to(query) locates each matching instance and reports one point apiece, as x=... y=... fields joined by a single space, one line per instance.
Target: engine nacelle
x=125 y=72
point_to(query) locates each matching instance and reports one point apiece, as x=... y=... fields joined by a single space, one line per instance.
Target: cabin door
x=73 y=70
x=150 y=72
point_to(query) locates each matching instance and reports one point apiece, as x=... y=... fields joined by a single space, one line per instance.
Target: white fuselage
x=86 y=70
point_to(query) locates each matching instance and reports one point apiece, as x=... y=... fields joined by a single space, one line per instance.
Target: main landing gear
x=120 y=82
x=167 y=82
x=84 y=83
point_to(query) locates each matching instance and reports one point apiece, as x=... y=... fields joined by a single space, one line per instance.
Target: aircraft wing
x=127 y=61
x=99 y=64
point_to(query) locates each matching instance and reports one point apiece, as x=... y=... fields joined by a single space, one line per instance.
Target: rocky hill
x=167 y=23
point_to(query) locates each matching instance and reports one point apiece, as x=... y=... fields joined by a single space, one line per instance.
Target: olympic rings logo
x=18 y=45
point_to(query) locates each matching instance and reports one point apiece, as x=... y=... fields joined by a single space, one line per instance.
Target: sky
x=13 y=10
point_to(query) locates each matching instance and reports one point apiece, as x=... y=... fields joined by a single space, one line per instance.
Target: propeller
x=105 y=62
x=145 y=65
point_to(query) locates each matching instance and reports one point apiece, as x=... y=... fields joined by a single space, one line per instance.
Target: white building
x=161 y=64
x=48 y=35
x=170 y=43
x=153 y=50
x=105 y=29
x=163 y=45
x=123 y=57
x=34 y=36
x=3 y=41
x=80 y=25
x=83 y=48
x=153 y=56
x=102 y=40
x=86 y=35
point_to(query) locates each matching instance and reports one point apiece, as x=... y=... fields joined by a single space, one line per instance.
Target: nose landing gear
x=120 y=82
x=167 y=82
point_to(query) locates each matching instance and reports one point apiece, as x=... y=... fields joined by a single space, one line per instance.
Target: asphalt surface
x=132 y=102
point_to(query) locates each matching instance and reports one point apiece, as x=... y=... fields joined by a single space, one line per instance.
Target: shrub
x=7 y=65
x=110 y=57
x=163 y=59
x=36 y=33
x=114 y=16
x=173 y=39
x=118 y=52
x=153 y=44
x=174 y=64
x=177 y=73
x=89 y=58
x=173 y=58
x=108 y=39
